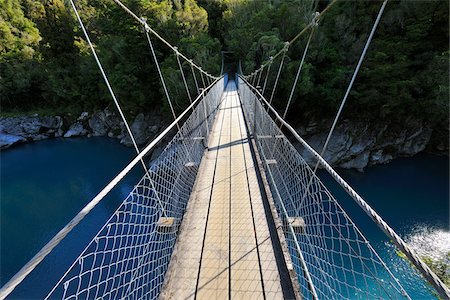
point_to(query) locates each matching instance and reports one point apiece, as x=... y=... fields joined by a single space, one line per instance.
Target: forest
x=46 y=65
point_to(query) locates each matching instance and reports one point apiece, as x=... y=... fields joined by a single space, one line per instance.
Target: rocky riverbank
x=358 y=144
x=354 y=144
x=16 y=130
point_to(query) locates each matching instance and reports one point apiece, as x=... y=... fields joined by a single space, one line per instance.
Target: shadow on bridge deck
x=225 y=246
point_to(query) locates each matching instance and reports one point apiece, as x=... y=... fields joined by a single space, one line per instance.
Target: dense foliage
x=47 y=66
x=405 y=72
x=45 y=61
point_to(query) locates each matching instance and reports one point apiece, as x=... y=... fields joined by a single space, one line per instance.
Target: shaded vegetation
x=45 y=61
x=440 y=267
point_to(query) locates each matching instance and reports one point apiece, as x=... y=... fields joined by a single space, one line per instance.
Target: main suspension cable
x=285 y=49
x=173 y=48
x=298 y=73
x=303 y=31
x=195 y=78
x=116 y=102
x=161 y=77
x=183 y=77
x=267 y=74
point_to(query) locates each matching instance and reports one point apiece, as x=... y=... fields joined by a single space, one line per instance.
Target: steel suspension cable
x=116 y=102
x=347 y=92
x=31 y=265
x=399 y=242
x=303 y=31
x=267 y=74
x=37 y=259
x=131 y=13
x=298 y=73
x=195 y=77
x=429 y=275
x=285 y=49
x=259 y=77
x=161 y=77
x=253 y=78
x=203 y=79
x=183 y=77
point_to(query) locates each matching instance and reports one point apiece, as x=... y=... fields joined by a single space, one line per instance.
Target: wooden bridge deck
x=224 y=249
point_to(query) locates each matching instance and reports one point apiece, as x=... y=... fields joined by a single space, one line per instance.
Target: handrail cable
x=31 y=265
x=116 y=102
x=344 y=100
x=413 y=257
x=350 y=247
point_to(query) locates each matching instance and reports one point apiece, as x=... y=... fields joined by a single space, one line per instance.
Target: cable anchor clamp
x=315 y=19
x=144 y=22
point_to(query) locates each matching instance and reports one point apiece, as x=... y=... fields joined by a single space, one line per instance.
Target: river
x=44 y=184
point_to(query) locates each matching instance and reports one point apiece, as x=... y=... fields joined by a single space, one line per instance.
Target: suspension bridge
x=229 y=209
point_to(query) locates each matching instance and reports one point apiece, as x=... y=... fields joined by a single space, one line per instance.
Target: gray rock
x=143 y=129
x=84 y=115
x=7 y=140
x=76 y=129
x=59 y=133
x=97 y=124
x=40 y=137
x=153 y=129
x=31 y=127
x=359 y=162
x=359 y=144
x=378 y=157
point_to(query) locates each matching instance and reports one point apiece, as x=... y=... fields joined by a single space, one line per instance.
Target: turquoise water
x=43 y=185
x=412 y=196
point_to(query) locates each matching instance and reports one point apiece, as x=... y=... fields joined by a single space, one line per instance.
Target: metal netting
x=332 y=258
x=130 y=254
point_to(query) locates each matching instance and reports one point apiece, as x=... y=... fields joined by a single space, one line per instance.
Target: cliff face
x=15 y=130
x=357 y=144
x=354 y=144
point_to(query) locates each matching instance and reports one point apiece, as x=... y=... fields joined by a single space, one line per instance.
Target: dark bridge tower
x=229 y=64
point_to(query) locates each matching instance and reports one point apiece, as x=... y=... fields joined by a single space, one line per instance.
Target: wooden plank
x=224 y=247
x=245 y=273
x=213 y=275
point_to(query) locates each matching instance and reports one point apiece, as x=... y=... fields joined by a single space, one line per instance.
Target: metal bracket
x=315 y=20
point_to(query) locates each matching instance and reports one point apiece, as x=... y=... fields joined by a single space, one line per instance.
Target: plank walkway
x=224 y=249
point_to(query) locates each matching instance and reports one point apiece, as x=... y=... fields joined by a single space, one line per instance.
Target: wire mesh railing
x=331 y=256
x=130 y=255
